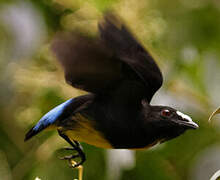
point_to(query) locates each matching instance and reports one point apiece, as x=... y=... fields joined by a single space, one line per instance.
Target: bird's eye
x=166 y=112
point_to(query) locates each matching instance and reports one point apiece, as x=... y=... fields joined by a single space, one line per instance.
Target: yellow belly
x=85 y=132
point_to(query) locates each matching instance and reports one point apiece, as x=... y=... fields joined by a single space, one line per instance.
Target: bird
x=120 y=78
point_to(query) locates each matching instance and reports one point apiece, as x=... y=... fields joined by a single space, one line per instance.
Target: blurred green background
x=184 y=38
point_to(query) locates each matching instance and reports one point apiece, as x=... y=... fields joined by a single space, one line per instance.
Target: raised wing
x=88 y=65
x=118 y=38
x=99 y=65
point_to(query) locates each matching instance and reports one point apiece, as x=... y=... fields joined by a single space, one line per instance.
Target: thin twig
x=80 y=169
x=217 y=111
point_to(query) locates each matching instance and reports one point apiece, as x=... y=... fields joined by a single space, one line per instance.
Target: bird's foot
x=75 y=147
x=71 y=158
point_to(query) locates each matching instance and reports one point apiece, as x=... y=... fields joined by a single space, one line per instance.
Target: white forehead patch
x=184 y=116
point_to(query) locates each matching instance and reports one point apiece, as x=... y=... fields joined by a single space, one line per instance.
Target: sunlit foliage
x=182 y=35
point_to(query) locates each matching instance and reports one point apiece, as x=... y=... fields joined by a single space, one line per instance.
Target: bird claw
x=73 y=164
x=69 y=149
x=75 y=147
x=70 y=158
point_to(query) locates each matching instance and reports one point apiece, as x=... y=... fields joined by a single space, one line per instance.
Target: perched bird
x=121 y=78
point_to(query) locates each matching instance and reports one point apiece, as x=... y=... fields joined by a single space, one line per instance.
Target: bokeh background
x=184 y=38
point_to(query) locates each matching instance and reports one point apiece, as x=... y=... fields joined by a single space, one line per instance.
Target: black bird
x=121 y=78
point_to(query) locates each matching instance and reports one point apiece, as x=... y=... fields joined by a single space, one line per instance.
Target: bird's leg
x=75 y=147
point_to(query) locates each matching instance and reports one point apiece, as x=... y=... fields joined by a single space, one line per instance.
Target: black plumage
x=121 y=78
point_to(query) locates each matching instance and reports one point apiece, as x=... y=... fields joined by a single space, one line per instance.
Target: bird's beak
x=187 y=121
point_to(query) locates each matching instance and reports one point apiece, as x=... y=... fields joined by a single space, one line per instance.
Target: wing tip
x=30 y=134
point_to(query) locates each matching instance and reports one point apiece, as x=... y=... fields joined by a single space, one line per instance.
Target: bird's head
x=166 y=123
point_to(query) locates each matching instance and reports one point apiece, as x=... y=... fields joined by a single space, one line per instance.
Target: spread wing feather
x=100 y=64
x=88 y=65
x=118 y=38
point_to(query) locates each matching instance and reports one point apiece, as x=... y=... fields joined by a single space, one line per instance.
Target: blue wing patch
x=52 y=116
x=49 y=119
